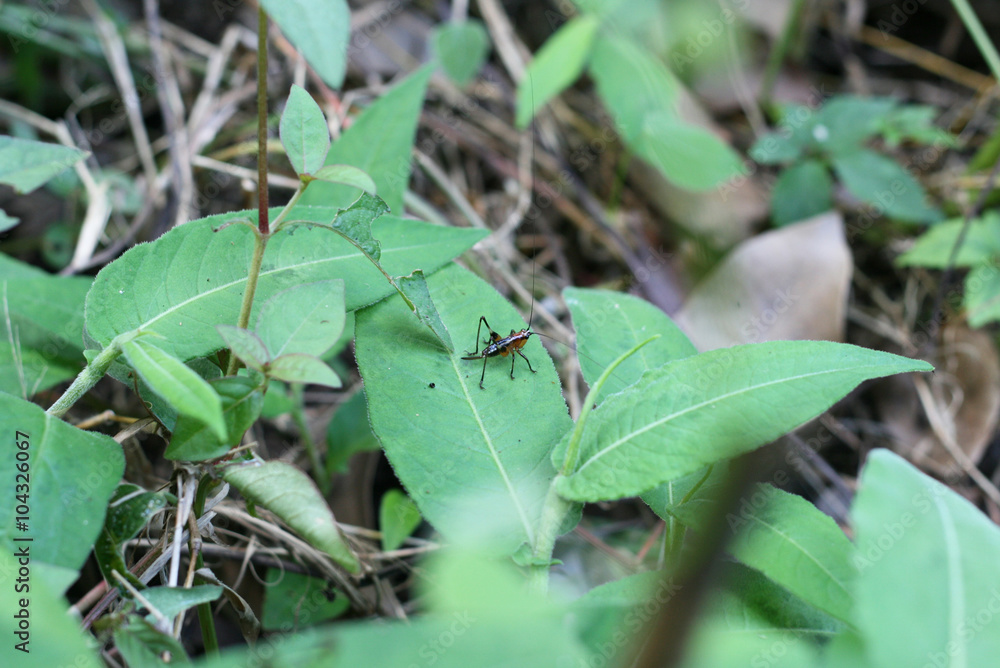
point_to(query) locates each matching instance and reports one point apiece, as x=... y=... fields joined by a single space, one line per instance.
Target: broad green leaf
x=193 y=440
x=308 y=318
x=303 y=132
x=53 y=637
x=928 y=587
x=129 y=510
x=302 y=368
x=347 y=175
x=348 y=432
x=802 y=191
x=43 y=316
x=176 y=383
x=291 y=495
x=982 y=294
x=414 y=287
x=397 y=518
x=70 y=473
x=687 y=155
x=845 y=121
x=27 y=164
x=933 y=248
x=319 y=30
x=192 y=278
x=142 y=646
x=379 y=142
x=297 y=601
x=461 y=49
x=172 y=601
x=884 y=186
x=632 y=81
x=714 y=406
x=609 y=323
x=246 y=345
x=746 y=599
x=795 y=545
x=476 y=461
x=557 y=64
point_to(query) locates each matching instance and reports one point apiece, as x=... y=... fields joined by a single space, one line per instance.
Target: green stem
x=259 y=246
x=86 y=379
x=554 y=513
x=573 y=449
x=298 y=414
x=979 y=36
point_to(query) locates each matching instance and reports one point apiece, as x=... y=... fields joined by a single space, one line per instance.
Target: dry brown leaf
x=790 y=283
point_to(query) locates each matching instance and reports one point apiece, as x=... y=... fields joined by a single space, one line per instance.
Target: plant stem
x=262 y=221
x=259 y=245
x=86 y=379
x=554 y=512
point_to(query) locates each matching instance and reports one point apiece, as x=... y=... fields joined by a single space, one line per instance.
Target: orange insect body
x=502 y=346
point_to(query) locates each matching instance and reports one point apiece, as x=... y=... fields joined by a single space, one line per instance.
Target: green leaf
x=27 y=164
x=303 y=132
x=557 y=64
x=129 y=510
x=933 y=248
x=609 y=323
x=302 y=368
x=461 y=49
x=319 y=30
x=295 y=601
x=177 y=384
x=882 y=184
x=793 y=137
x=380 y=142
x=172 y=601
x=193 y=440
x=714 y=406
x=928 y=585
x=47 y=614
x=7 y=221
x=246 y=345
x=347 y=175
x=687 y=155
x=633 y=83
x=414 y=287
x=915 y=122
x=795 y=545
x=142 y=646
x=691 y=499
x=846 y=121
x=308 y=318
x=398 y=516
x=291 y=495
x=71 y=475
x=982 y=294
x=190 y=279
x=802 y=191
x=43 y=316
x=348 y=432
x=475 y=461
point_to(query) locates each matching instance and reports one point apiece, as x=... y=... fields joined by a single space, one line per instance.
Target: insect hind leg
x=514 y=359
